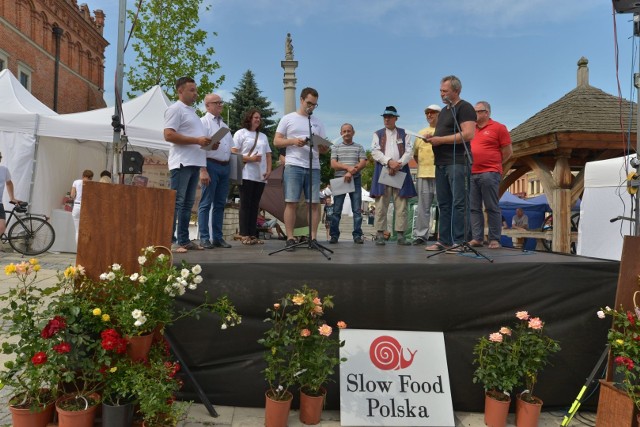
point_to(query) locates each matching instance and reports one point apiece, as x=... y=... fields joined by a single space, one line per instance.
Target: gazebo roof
x=585 y=109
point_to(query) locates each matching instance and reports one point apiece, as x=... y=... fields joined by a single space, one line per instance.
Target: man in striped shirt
x=348 y=159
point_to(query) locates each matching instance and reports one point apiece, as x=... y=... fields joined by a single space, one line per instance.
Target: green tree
x=246 y=96
x=367 y=172
x=168 y=45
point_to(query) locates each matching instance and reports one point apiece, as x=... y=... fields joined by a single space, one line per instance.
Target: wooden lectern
x=116 y=221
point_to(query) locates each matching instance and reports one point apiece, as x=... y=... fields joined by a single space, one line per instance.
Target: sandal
x=191 y=246
x=494 y=244
x=256 y=241
x=247 y=241
x=437 y=247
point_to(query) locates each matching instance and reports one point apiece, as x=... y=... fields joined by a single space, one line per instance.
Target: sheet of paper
x=394 y=181
x=318 y=140
x=235 y=171
x=338 y=186
x=216 y=137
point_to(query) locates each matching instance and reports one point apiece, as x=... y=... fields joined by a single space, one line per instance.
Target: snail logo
x=387 y=354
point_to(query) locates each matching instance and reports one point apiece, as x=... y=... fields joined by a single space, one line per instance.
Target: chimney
x=583 y=72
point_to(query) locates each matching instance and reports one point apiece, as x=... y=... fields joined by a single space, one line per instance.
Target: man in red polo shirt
x=490 y=148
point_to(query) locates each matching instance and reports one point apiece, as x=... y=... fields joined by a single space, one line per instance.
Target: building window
x=4 y=60
x=24 y=75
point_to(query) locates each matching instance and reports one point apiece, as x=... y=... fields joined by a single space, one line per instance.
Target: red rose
x=39 y=358
x=53 y=327
x=63 y=347
x=631 y=318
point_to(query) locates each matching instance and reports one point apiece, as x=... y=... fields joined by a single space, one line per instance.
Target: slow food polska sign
x=394 y=378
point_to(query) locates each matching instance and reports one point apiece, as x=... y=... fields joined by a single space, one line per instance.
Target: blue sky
x=363 y=55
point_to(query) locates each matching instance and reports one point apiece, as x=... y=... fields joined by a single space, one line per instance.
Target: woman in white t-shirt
x=76 y=195
x=256 y=156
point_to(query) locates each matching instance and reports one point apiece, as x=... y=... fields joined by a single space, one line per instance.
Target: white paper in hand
x=394 y=181
x=338 y=186
x=216 y=137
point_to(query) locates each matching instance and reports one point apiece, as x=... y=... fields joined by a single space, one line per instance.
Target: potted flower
x=534 y=350
x=623 y=339
x=498 y=370
x=32 y=374
x=301 y=350
x=143 y=302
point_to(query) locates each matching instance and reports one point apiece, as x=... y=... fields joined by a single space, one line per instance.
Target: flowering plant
x=33 y=372
x=513 y=356
x=300 y=346
x=141 y=302
x=624 y=340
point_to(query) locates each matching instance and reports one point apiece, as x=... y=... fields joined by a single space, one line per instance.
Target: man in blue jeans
x=214 y=177
x=184 y=130
x=456 y=126
x=348 y=159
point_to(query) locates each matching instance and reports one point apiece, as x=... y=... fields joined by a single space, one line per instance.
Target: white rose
x=142 y=279
x=196 y=269
x=111 y=275
x=223 y=326
x=600 y=314
x=193 y=286
x=134 y=277
x=197 y=280
x=184 y=273
x=116 y=267
x=103 y=276
x=136 y=314
x=142 y=260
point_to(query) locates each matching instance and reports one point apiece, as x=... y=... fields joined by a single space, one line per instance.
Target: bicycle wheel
x=31 y=236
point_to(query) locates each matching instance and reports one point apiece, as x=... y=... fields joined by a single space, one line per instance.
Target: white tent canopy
x=143 y=118
x=605 y=197
x=45 y=152
x=346 y=207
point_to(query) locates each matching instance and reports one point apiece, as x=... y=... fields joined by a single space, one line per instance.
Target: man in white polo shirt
x=184 y=130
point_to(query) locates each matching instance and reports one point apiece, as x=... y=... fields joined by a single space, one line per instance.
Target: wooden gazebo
x=586 y=124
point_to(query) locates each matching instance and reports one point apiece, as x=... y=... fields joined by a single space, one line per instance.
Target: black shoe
x=418 y=241
x=206 y=244
x=313 y=242
x=289 y=245
x=402 y=241
x=333 y=240
x=358 y=240
x=380 y=240
x=221 y=244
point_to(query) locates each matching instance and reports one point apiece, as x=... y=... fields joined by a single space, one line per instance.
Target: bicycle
x=30 y=234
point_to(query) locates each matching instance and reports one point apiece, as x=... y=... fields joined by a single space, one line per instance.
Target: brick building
x=28 y=33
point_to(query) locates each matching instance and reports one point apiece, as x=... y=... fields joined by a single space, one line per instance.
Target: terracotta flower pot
x=139 y=346
x=528 y=414
x=276 y=412
x=27 y=418
x=495 y=411
x=80 y=418
x=311 y=407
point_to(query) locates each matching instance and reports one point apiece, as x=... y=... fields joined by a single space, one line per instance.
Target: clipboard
x=338 y=186
x=394 y=181
x=216 y=137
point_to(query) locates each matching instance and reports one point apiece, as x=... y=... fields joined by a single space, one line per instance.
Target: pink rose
x=505 y=331
x=317 y=309
x=495 y=337
x=305 y=332
x=325 y=330
x=522 y=315
x=317 y=301
x=535 y=323
x=341 y=325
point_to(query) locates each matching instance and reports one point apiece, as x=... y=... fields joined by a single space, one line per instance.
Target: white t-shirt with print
x=295 y=125
x=184 y=120
x=243 y=140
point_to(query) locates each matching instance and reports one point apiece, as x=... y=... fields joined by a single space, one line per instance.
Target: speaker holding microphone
x=132 y=162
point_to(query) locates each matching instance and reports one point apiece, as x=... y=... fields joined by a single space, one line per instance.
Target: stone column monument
x=289 y=80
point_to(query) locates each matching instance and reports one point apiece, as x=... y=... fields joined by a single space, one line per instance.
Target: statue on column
x=288 y=48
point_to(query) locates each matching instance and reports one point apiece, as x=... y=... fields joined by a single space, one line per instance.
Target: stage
x=398 y=288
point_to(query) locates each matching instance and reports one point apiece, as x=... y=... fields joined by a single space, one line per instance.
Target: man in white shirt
x=391 y=148
x=214 y=177
x=184 y=130
x=5 y=179
x=292 y=132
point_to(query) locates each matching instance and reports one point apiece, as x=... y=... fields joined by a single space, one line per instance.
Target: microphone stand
x=310 y=243
x=464 y=246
